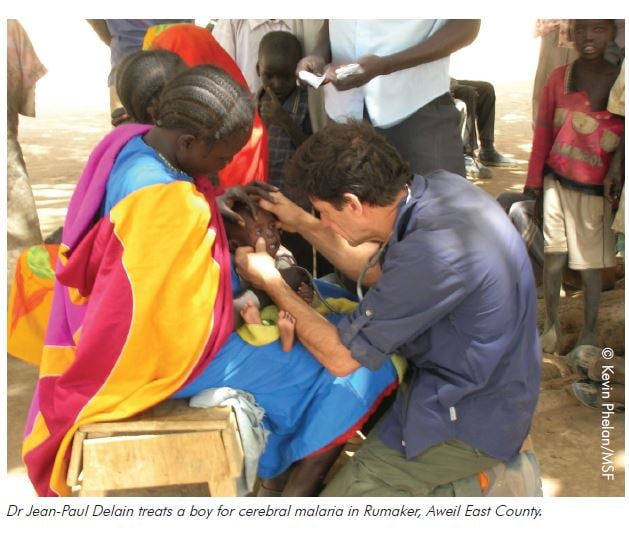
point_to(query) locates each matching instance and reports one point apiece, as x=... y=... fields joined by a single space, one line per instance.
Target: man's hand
x=313 y=64
x=288 y=213
x=256 y=266
x=371 y=66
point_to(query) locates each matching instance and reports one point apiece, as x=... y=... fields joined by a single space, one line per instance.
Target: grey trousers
x=430 y=139
x=447 y=469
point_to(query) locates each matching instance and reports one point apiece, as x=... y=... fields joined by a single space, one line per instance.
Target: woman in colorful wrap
x=140 y=77
x=142 y=308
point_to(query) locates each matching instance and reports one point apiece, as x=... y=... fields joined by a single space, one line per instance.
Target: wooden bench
x=171 y=444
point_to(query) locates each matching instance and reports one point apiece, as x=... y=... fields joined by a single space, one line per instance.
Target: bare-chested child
x=248 y=302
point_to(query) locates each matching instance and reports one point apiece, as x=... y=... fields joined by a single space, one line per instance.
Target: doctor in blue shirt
x=451 y=289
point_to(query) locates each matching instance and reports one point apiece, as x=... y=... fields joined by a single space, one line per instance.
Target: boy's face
x=264 y=226
x=591 y=37
x=278 y=73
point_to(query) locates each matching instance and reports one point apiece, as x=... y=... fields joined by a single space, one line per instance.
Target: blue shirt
x=457 y=299
x=391 y=98
x=137 y=165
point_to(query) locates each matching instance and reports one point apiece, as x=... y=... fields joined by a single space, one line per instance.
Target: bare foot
x=286 y=324
x=550 y=338
x=250 y=313
x=587 y=338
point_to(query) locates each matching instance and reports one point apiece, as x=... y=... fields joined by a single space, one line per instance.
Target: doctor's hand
x=255 y=265
x=290 y=215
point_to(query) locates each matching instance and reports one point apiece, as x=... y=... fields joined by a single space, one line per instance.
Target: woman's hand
x=250 y=195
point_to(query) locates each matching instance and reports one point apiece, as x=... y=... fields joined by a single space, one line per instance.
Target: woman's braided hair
x=140 y=78
x=206 y=102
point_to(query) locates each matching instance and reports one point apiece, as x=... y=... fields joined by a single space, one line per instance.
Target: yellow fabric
x=267 y=333
x=29 y=306
x=58 y=360
x=39 y=433
x=170 y=324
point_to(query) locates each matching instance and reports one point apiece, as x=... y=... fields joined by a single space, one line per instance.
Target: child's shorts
x=576 y=223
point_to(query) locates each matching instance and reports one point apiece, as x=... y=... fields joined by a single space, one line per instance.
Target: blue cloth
x=306 y=407
x=137 y=165
x=457 y=299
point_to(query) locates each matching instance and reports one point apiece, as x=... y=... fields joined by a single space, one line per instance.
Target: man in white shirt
x=402 y=85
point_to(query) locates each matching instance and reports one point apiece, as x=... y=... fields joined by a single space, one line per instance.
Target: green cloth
x=447 y=469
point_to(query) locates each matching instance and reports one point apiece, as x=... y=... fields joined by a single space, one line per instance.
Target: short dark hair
x=573 y=22
x=141 y=77
x=348 y=158
x=206 y=102
x=280 y=42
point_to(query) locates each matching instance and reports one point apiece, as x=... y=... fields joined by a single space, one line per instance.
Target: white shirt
x=392 y=98
x=241 y=39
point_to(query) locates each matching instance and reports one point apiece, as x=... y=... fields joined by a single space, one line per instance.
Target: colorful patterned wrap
x=114 y=345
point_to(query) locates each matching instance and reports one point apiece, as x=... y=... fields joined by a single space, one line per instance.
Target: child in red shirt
x=574 y=141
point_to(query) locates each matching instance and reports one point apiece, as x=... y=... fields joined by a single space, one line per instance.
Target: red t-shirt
x=571 y=140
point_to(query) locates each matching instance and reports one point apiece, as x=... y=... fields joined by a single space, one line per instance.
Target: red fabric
x=571 y=139
x=196 y=45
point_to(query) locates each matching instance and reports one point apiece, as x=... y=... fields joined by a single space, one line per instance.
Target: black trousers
x=480 y=101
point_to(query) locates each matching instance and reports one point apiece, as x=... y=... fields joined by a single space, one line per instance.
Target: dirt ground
x=566 y=435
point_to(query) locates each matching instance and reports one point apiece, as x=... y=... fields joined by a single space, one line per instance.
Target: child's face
x=591 y=37
x=278 y=73
x=265 y=226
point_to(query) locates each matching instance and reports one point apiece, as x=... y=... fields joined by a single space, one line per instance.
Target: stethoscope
x=372 y=261
x=375 y=258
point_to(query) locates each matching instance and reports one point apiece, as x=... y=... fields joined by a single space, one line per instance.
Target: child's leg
x=553 y=267
x=305 y=477
x=592 y=295
x=250 y=313
x=286 y=324
x=274 y=486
